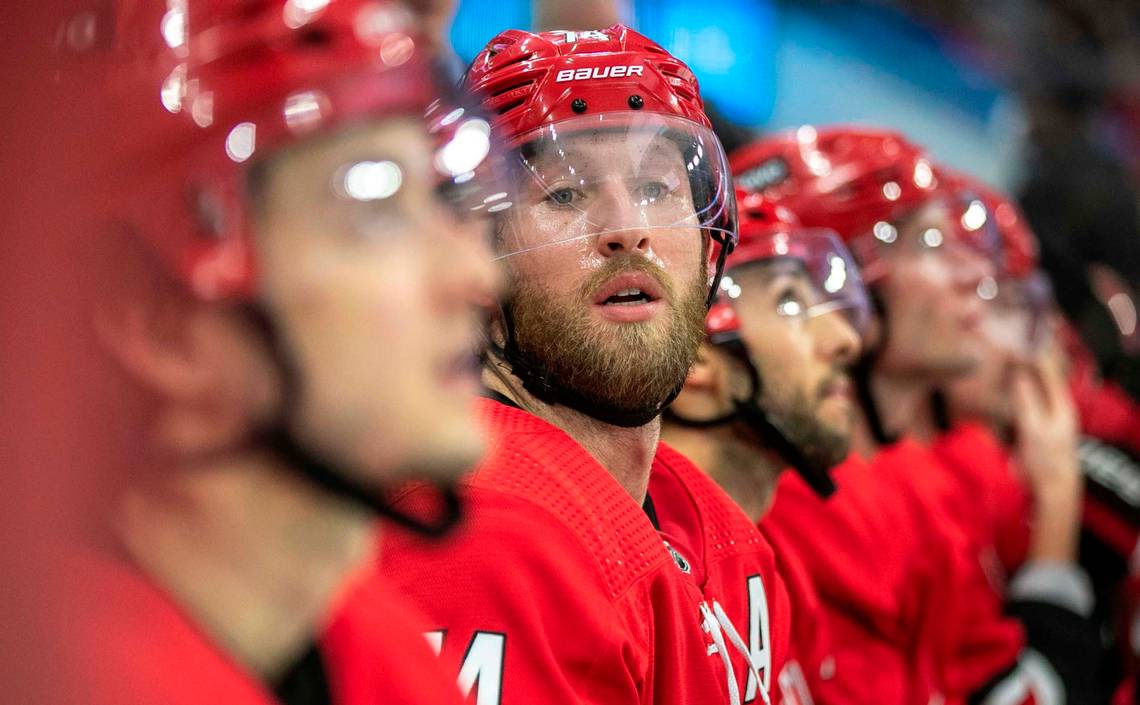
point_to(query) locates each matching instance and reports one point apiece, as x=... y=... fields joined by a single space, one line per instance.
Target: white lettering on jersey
x=793 y=685
x=569 y=37
x=482 y=665
x=758 y=637
x=757 y=654
x=435 y=640
x=588 y=74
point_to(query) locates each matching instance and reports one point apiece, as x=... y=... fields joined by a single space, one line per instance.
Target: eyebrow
x=768 y=270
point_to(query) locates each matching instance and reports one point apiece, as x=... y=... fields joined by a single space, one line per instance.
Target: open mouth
x=627 y=297
x=628 y=289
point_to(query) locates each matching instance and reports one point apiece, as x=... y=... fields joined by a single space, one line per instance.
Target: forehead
x=932 y=214
x=604 y=149
x=400 y=139
x=756 y=276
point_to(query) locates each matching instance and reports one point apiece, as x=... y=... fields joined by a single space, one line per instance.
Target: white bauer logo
x=598 y=72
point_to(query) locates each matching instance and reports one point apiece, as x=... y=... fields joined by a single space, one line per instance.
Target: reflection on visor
x=1022 y=309
x=612 y=173
x=961 y=224
x=466 y=162
x=808 y=274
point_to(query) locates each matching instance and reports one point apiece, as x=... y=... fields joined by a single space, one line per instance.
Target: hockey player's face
x=933 y=312
x=802 y=361
x=986 y=393
x=609 y=273
x=374 y=286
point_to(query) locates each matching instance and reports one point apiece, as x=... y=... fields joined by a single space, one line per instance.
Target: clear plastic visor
x=636 y=179
x=958 y=228
x=1019 y=314
x=812 y=275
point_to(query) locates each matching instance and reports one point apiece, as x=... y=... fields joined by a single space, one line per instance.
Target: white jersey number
x=482 y=668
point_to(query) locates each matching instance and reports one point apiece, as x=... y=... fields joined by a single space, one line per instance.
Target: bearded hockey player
x=273 y=201
x=599 y=566
x=770 y=390
x=925 y=270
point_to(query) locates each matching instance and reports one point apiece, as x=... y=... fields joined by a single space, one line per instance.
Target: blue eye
x=562 y=196
x=654 y=190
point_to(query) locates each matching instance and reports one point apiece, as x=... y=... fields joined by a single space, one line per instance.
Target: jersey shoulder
x=118 y=638
x=377 y=648
x=689 y=502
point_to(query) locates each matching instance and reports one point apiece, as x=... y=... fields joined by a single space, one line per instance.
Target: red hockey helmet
x=772 y=234
x=845 y=178
x=986 y=208
x=564 y=99
x=1020 y=287
x=861 y=182
x=203 y=89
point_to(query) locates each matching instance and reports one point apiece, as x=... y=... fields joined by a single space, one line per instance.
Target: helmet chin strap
x=327 y=475
x=861 y=376
x=752 y=414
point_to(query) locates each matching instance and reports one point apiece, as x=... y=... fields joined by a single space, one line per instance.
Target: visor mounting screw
x=578 y=105
x=636 y=102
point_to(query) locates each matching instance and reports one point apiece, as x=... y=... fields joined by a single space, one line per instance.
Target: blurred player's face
x=374 y=286
x=986 y=393
x=616 y=307
x=933 y=313
x=802 y=360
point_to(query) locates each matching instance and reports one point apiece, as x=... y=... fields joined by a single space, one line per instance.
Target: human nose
x=836 y=340
x=619 y=222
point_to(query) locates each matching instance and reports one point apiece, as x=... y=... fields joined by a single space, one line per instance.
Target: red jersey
x=874 y=565
x=978 y=642
x=809 y=674
x=559 y=588
x=375 y=650
x=118 y=639
x=989 y=498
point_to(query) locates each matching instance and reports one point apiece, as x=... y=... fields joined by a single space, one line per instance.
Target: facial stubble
x=622 y=366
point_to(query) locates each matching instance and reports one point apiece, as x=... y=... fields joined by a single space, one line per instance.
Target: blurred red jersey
x=116 y=639
x=809 y=674
x=560 y=588
x=986 y=495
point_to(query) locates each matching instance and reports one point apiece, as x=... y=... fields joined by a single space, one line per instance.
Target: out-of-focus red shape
x=56 y=433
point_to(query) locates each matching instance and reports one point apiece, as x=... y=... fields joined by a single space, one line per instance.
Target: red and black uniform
x=560 y=588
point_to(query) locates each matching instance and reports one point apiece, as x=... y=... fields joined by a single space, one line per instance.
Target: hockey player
x=1022 y=377
x=273 y=204
x=599 y=566
x=769 y=390
x=884 y=197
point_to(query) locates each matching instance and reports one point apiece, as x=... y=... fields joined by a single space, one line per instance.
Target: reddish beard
x=624 y=367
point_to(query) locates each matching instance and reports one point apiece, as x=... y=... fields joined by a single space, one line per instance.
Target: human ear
x=181 y=353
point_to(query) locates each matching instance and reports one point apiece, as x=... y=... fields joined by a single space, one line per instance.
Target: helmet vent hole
x=509 y=106
x=518 y=60
x=314 y=37
x=510 y=88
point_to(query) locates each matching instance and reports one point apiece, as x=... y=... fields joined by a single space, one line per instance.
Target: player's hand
x=1046 y=428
